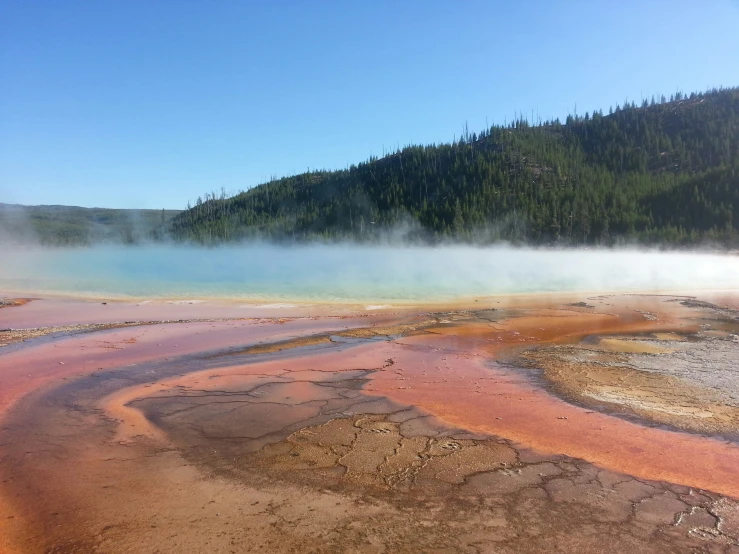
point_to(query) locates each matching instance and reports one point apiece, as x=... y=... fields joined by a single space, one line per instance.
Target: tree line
x=665 y=171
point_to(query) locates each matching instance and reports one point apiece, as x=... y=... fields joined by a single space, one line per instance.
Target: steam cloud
x=355 y=273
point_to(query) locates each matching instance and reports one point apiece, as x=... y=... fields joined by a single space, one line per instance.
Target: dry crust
x=287 y=455
x=664 y=379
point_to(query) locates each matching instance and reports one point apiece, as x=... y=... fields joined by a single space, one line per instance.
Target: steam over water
x=353 y=273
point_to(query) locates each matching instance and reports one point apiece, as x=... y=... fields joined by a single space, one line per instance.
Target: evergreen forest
x=665 y=171
x=77 y=226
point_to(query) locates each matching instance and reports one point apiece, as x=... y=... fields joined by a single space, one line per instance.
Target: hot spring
x=349 y=273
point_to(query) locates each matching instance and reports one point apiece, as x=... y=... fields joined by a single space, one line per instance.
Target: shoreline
x=370 y=304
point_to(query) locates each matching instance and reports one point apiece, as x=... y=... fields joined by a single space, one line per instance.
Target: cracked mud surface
x=395 y=434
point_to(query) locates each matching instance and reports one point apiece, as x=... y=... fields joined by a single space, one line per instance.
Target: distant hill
x=665 y=171
x=74 y=226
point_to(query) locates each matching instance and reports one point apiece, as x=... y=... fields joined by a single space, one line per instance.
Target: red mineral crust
x=467 y=392
x=230 y=405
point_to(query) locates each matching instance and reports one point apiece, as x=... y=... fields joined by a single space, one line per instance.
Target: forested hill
x=659 y=172
x=76 y=226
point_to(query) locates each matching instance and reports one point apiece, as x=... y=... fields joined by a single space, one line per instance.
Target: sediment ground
x=584 y=424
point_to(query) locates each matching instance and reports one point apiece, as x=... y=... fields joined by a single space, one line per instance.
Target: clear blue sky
x=128 y=103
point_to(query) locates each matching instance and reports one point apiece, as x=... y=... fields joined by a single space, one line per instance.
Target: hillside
x=75 y=226
x=665 y=171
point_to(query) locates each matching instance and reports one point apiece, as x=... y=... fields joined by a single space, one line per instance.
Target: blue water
x=354 y=273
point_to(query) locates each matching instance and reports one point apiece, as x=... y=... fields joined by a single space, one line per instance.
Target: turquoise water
x=353 y=273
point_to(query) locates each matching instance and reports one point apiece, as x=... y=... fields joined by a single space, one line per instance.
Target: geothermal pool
x=344 y=273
